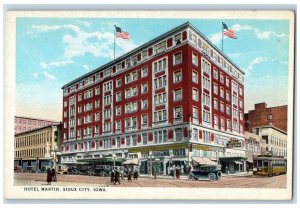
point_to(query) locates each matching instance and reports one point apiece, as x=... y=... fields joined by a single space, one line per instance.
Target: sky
x=50 y=52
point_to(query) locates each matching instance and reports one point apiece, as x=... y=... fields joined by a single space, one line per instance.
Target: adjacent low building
x=37 y=148
x=23 y=123
x=253 y=147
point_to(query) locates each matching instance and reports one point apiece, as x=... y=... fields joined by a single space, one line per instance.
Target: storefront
x=233 y=164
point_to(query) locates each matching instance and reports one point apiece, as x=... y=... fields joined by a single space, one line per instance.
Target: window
x=118 y=110
x=88 y=94
x=160 y=65
x=215 y=89
x=178 y=95
x=97 y=103
x=144 y=120
x=131 y=92
x=177 y=58
x=177 y=76
x=145 y=138
x=144 y=54
x=216 y=104
x=195 y=134
x=79 y=109
x=222 y=123
x=228 y=125
x=134 y=76
x=160 y=82
x=228 y=96
x=216 y=121
x=160 y=115
x=144 y=88
x=241 y=91
x=221 y=92
x=107 y=127
x=177 y=38
x=195 y=112
x=205 y=83
x=65 y=103
x=107 y=100
x=97 y=90
x=178 y=112
x=127 y=141
x=79 y=97
x=195 y=77
x=241 y=116
x=215 y=73
x=195 y=95
x=119 y=82
x=206 y=116
x=107 y=114
x=160 y=99
x=79 y=121
x=97 y=117
x=206 y=99
x=195 y=59
x=206 y=136
x=241 y=103
x=144 y=72
x=118 y=125
x=178 y=134
x=221 y=78
x=205 y=66
x=160 y=47
x=160 y=136
x=144 y=104
x=128 y=78
x=227 y=82
x=107 y=86
x=118 y=96
x=96 y=130
x=227 y=110
x=131 y=107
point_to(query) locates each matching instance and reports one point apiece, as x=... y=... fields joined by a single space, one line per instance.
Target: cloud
x=234 y=55
x=99 y=44
x=259 y=34
x=86 y=67
x=255 y=61
x=266 y=35
x=47 y=76
x=55 y=63
x=84 y=23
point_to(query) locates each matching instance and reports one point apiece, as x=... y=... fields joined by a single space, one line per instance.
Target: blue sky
x=51 y=52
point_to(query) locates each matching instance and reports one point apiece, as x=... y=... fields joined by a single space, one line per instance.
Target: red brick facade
x=178 y=78
x=263 y=116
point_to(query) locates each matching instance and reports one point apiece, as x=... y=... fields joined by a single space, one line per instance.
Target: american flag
x=121 y=34
x=228 y=32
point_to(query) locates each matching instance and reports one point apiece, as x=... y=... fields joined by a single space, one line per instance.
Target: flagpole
x=222 y=36
x=115 y=43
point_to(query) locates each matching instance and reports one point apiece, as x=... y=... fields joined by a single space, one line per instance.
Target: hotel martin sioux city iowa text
x=176 y=99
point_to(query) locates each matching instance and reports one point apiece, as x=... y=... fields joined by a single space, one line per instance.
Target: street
x=246 y=181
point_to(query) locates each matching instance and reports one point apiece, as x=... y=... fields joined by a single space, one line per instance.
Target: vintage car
x=207 y=172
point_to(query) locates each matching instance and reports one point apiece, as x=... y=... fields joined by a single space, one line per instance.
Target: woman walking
x=49 y=176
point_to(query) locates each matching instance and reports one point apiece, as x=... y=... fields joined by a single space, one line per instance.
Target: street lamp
x=55 y=152
x=114 y=157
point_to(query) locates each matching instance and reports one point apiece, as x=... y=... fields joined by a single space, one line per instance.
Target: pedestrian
x=49 y=176
x=53 y=175
x=112 y=176
x=172 y=172
x=129 y=176
x=247 y=169
x=122 y=175
x=117 y=177
x=154 y=172
x=226 y=170
x=177 y=172
x=135 y=175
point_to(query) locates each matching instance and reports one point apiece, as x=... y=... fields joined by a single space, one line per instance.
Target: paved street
x=238 y=181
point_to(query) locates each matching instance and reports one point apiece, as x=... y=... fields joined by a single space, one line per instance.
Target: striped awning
x=203 y=161
x=131 y=162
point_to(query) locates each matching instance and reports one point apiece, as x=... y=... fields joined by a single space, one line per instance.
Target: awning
x=101 y=159
x=203 y=161
x=131 y=162
x=238 y=162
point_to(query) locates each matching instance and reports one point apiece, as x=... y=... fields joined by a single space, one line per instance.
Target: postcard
x=189 y=105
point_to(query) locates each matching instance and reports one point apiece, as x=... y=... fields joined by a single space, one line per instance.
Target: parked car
x=62 y=172
x=208 y=172
x=74 y=172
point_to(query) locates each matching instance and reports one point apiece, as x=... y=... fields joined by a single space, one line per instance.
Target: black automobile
x=207 y=172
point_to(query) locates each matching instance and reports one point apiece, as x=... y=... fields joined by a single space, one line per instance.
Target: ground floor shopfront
x=161 y=159
x=28 y=164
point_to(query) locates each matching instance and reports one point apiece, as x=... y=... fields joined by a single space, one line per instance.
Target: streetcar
x=267 y=165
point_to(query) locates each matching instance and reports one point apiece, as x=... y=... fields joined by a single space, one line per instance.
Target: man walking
x=117 y=177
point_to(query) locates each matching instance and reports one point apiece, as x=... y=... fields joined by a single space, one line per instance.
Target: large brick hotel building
x=173 y=98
